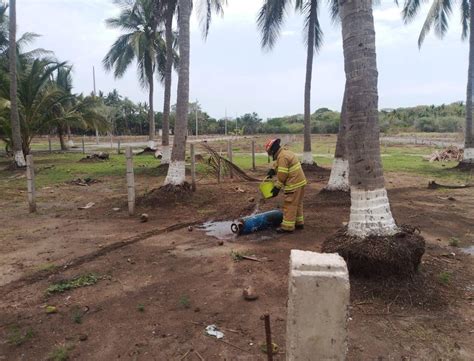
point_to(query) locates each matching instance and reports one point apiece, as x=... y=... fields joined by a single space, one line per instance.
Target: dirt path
x=160 y=284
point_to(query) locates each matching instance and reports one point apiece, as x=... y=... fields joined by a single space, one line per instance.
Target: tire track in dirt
x=40 y=275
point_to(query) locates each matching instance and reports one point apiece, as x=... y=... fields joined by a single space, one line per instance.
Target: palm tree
x=18 y=155
x=370 y=208
x=437 y=17
x=339 y=179
x=270 y=20
x=168 y=9
x=141 y=42
x=176 y=170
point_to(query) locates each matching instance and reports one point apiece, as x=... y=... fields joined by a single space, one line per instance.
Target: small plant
x=80 y=281
x=236 y=256
x=17 y=338
x=454 y=242
x=141 y=307
x=184 y=302
x=77 y=315
x=47 y=267
x=60 y=353
x=445 y=277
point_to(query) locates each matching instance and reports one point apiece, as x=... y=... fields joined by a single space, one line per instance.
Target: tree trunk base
x=465 y=166
x=166 y=195
x=374 y=256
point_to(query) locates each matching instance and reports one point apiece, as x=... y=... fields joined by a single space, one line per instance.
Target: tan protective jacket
x=290 y=175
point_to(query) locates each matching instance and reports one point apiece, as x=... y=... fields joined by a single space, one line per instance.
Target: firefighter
x=291 y=179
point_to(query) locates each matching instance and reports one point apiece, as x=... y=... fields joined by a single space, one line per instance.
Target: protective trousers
x=293 y=209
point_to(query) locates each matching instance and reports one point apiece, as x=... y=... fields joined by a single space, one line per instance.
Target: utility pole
x=95 y=93
x=225 y=122
x=196 y=113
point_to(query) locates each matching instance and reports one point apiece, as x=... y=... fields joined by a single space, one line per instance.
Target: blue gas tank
x=258 y=222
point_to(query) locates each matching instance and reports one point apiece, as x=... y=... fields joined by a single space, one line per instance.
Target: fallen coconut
x=144 y=217
x=249 y=294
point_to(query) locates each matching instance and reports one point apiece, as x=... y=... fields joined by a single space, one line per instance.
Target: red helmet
x=269 y=144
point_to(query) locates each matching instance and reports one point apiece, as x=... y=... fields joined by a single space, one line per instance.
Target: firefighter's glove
x=271 y=173
x=275 y=191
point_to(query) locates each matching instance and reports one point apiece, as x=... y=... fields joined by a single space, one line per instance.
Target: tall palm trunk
x=307 y=155
x=61 y=138
x=165 y=141
x=370 y=208
x=176 y=171
x=151 y=113
x=469 y=136
x=339 y=179
x=19 y=157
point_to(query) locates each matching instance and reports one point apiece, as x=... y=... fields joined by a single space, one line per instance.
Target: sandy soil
x=160 y=284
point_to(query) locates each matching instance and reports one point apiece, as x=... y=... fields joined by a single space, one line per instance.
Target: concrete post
x=193 y=168
x=130 y=181
x=30 y=181
x=83 y=146
x=253 y=154
x=318 y=300
x=229 y=155
x=118 y=146
x=49 y=144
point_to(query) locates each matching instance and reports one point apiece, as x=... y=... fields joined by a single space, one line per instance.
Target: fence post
x=118 y=146
x=49 y=144
x=322 y=277
x=229 y=155
x=83 y=146
x=130 y=181
x=30 y=181
x=253 y=154
x=193 y=168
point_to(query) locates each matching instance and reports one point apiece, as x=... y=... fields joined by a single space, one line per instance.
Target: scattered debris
x=220 y=243
x=221 y=166
x=251 y=200
x=250 y=294
x=190 y=228
x=147 y=150
x=84 y=182
x=451 y=153
x=83 y=337
x=239 y=190
x=116 y=209
x=434 y=185
x=212 y=330
x=94 y=157
x=270 y=347
x=87 y=206
x=144 y=217
x=51 y=309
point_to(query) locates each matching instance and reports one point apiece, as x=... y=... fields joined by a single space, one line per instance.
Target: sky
x=231 y=74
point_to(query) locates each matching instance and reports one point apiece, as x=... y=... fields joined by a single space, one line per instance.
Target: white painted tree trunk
x=176 y=173
x=468 y=155
x=152 y=144
x=165 y=154
x=339 y=179
x=19 y=159
x=70 y=143
x=370 y=213
x=307 y=158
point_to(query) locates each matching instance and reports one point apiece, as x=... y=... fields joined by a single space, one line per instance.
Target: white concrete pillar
x=318 y=292
x=30 y=181
x=130 y=181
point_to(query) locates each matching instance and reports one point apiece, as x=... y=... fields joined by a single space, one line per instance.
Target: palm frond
x=311 y=9
x=334 y=11
x=438 y=16
x=465 y=13
x=207 y=7
x=270 y=20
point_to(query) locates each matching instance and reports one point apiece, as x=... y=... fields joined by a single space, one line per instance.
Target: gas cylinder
x=258 y=222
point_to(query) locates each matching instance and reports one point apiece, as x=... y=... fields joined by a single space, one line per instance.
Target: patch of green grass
x=237 y=256
x=445 y=277
x=80 y=281
x=184 y=301
x=15 y=336
x=60 y=353
x=141 y=307
x=454 y=242
x=46 y=267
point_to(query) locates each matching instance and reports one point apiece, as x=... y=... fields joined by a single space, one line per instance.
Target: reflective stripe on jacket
x=290 y=175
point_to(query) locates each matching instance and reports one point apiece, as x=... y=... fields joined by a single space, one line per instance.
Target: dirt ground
x=161 y=283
